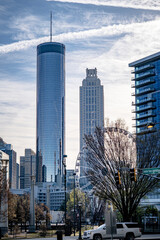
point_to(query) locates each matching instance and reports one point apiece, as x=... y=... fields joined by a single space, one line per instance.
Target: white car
x=125 y=230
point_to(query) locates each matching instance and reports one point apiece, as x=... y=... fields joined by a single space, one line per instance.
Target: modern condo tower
x=91 y=108
x=147 y=93
x=50 y=110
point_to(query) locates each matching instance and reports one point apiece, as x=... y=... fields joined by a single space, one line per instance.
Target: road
x=149 y=237
x=143 y=237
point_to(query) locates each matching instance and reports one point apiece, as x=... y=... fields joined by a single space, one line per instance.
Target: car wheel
x=130 y=236
x=97 y=237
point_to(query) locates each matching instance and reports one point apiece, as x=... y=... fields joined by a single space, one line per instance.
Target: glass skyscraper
x=50 y=109
x=146 y=82
x=91 y=109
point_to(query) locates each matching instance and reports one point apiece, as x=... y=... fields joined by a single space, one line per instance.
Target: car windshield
x=102 y=226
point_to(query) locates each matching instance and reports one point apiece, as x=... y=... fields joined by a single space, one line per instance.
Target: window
x=119 y=225
x=132 y=225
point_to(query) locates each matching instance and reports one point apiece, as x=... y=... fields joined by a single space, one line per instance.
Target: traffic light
x=118 y=178
x=133 y=175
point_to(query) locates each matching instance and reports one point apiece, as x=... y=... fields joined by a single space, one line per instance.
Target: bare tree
x=113 y=149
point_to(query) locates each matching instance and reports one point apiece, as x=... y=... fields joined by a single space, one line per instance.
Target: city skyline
x=106 y=35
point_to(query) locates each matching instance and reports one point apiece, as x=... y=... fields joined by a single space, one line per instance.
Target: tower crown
x=91 y=72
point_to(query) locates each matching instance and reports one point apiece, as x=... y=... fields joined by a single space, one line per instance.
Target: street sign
x=151 y=171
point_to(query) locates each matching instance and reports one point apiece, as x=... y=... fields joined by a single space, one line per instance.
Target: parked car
x=125 y=230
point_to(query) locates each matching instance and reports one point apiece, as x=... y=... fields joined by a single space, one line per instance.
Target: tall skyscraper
x=27 y=168
x=91 y=108
x=8 y=149
x=50 y=110
x=18 y=177
x=147 y=93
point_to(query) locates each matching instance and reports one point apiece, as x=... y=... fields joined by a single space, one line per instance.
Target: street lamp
x=80 y=236
x=65 y=186
x=32 y=206
x=74 y=174
x=85 y=211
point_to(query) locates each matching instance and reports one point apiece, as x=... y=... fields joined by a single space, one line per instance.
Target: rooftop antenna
x=51 y=26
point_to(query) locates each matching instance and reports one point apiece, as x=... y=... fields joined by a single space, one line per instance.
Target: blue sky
x=106 y=34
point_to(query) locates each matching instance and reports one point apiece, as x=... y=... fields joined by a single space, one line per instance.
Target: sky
x=102 y=34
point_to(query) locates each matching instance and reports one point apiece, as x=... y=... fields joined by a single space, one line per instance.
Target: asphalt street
x=143 y=237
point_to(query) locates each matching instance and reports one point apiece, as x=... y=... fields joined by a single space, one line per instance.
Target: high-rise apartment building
x=146 y=82
x=27 y=168
x=50 y=110
x=91 y=108
x=8 y=149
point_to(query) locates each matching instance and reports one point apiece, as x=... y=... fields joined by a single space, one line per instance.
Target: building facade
x=8 y=149
x=70 y=179
x=48 y=193
x=27 y=168
x=18 y=177
x=146 y=83
x=50 y=110
x=91 y=109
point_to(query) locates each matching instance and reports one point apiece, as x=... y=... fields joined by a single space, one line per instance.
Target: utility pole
x=32 y=207
x=74 y=174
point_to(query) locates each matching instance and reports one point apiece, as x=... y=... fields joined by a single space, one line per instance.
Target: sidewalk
x=149 y=237
x=54 y=238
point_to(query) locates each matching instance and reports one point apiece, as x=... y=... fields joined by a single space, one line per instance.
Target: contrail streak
x=137 y=4
x=71 y=36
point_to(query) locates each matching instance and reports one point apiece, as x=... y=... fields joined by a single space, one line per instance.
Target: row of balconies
x=143 y=91
x=143 y=113
x=142 y=116
x=144 y=75
x=141 y=124
x=143 y=101
x=143 y=68
x=146 y=131
x=142 y=109
x=143 y=83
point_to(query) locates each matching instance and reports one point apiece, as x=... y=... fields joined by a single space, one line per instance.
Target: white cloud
x=17 y=110
x=108 y=31
x=145 y=4
x=28 y=27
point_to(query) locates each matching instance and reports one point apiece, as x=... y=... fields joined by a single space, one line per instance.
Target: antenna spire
x=51 y=26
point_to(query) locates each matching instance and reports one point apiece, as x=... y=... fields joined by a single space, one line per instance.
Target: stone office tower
x=91 y=108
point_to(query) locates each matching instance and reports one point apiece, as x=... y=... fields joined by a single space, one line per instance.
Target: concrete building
x=91 y=109
x=146 y=85
x=8 y=149
x=27 y=168
x=56 y=194
x=50 y=110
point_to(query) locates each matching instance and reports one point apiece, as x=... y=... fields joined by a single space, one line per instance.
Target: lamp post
x=85 y=211
x=65 y=187
x=74 y=174
x=80 y=236
x=32 y=207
